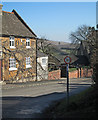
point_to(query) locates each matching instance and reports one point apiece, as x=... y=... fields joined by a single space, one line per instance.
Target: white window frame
x=12 y=64
x=28 y=43
x=44 y=62
x=12 y=39
x=28 y=62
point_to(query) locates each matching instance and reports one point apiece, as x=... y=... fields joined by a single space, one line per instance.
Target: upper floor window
x=28 y=62
x=12 y=42
x=12 y=64
x=27 y=43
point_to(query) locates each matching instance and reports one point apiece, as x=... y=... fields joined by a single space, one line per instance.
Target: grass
x=72 y=69
x=80 y=106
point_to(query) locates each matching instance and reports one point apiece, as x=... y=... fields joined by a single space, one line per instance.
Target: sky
x=54 y=20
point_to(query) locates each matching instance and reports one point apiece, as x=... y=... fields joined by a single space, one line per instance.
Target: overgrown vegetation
x=81 y=105
x=72 y=69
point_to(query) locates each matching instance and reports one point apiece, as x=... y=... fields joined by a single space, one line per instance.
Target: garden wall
x=81 y=73
x=53 y=75
x=56 y=74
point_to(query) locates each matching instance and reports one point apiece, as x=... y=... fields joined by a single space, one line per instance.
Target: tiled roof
x=14 y=25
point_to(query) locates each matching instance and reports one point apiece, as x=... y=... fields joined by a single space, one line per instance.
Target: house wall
x=0 y=70
x=6 y=74
x=42 y=70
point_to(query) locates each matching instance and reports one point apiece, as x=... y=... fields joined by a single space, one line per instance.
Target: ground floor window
x=28 y=62
x=44 y=61
x=12 y=64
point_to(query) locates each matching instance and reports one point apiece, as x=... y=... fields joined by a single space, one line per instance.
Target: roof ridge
x=8 y=12
x=14 y=11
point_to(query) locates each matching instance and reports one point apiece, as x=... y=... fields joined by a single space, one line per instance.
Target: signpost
x=67 y=60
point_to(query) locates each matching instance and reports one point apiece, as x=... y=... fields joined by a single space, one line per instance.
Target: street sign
x=67 y=60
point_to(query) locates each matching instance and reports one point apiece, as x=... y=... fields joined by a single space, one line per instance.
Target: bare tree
x=87 y=34
x=46 y=47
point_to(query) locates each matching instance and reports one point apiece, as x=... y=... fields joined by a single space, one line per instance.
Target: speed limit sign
x=67 y=60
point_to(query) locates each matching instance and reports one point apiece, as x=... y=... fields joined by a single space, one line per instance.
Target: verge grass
x=81 y=106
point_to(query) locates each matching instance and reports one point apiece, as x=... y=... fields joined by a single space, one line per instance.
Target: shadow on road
x=31 y=107
x=27 y=107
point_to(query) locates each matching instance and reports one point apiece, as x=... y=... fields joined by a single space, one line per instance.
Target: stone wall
x=0 y=69
x=7 y=75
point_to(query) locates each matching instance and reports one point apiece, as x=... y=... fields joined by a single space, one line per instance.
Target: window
x=12 y=64
x=43 y=61
x=28 y=62
x=12 y=42
x=27 y=43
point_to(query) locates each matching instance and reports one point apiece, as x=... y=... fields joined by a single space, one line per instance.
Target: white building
x=42 y=66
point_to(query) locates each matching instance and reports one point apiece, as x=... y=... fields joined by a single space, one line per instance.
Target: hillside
x=58 y=49
x=61 y=49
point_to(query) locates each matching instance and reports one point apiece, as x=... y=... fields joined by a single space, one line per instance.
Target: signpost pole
x=67 y=70
x=67 y=60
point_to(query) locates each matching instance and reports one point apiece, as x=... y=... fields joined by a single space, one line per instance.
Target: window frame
x=12 y=42
x=28 y=43
x=12 y=64
x=44 y=63
x=28 y=62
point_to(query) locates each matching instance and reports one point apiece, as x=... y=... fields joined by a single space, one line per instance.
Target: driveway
x=29 y=100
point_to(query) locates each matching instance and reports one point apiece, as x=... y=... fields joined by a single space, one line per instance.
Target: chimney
x=1 y=9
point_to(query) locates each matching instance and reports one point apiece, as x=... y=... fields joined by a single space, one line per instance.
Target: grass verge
x=81 y=106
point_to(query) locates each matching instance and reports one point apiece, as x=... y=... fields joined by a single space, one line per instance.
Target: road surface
x=29 y=100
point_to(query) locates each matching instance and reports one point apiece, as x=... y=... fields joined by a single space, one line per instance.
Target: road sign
x=67 y=60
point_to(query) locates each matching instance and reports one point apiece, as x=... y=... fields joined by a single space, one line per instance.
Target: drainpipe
x=36 y=59
x=0 y=39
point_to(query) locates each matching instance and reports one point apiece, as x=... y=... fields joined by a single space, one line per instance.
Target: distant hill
x=62 y=45
x=60 y=49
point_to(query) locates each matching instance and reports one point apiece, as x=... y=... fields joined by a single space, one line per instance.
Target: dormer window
x=12 y=42
x=27 y=43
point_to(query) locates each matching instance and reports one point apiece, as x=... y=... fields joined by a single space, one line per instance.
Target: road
x=29 y=100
